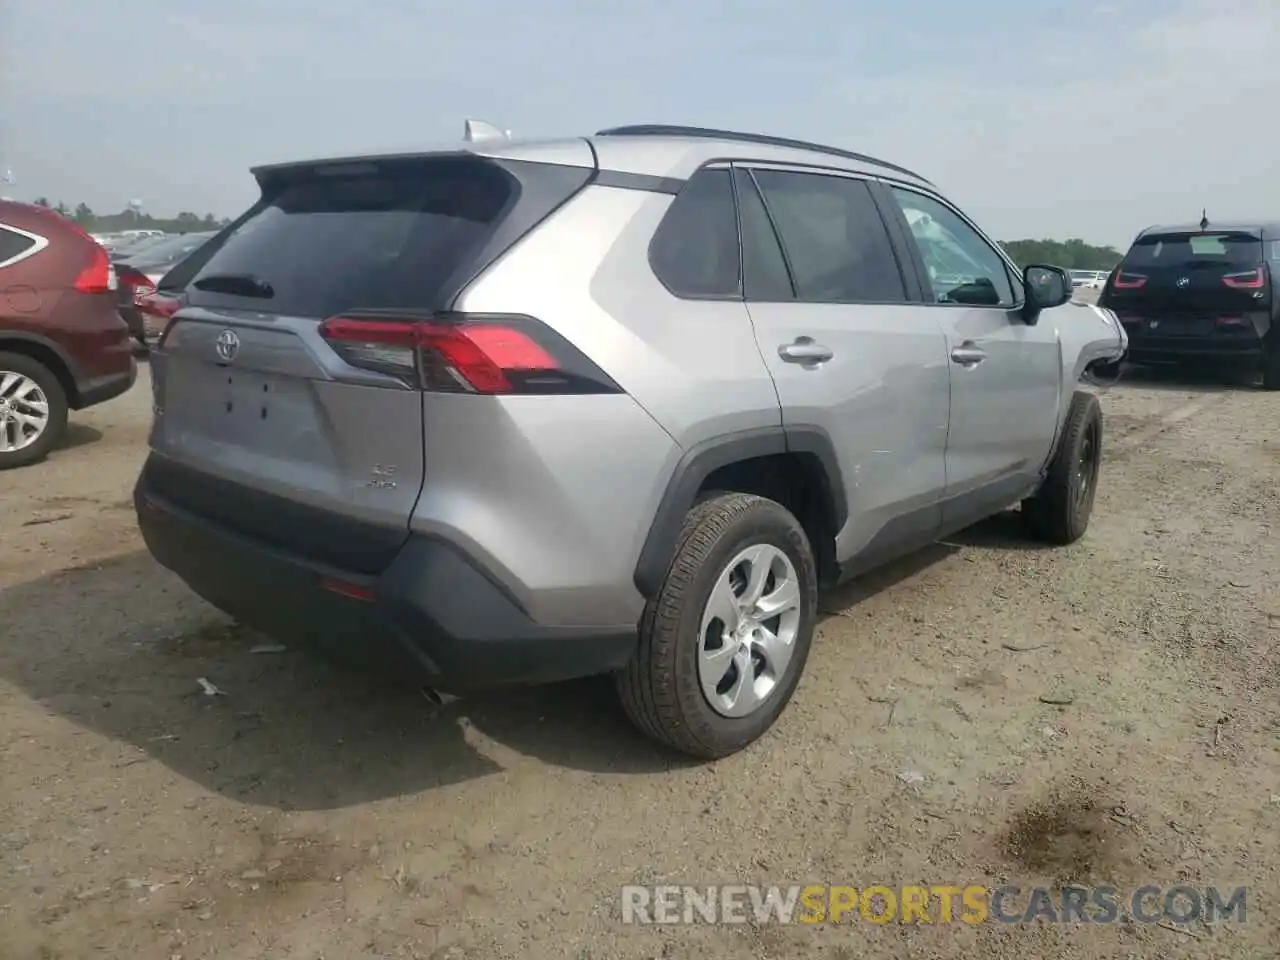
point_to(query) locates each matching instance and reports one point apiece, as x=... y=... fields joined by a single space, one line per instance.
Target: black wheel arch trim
x=72 y=370
x=703 y=459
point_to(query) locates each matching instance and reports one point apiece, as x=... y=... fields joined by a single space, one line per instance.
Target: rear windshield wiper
x=236 y=284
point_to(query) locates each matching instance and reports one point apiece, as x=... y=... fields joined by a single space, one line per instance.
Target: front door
x=1006 y=376
x=850 y=356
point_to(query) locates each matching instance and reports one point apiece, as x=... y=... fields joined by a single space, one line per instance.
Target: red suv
x=63 y=345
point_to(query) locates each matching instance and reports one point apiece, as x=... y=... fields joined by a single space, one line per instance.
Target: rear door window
x=694 y=251
x=834 y=239
x=15 y=245
x=765 y=277
x=378 y=235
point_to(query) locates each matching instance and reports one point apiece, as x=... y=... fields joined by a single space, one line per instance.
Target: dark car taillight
x=1247 y=280
x=465 y=353
x=1128 y=281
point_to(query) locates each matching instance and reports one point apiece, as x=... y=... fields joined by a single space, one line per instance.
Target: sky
x=1063 y=118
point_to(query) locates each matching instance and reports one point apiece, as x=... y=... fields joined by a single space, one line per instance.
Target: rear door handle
x=805 y=350
x=968 y=354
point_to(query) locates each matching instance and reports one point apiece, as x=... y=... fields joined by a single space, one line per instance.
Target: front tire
x=33 y=411
x=1060 y=510
x=723 y=644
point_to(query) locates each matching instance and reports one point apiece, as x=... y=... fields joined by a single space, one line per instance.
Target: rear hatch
x=261 y=424
x=1193 y=283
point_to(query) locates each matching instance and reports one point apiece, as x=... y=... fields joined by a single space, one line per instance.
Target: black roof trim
x=709 y=133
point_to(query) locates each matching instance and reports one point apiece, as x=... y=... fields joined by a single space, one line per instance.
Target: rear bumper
x=432 y=618
x=1233 y=345
x=108 y=387
x=132 y=318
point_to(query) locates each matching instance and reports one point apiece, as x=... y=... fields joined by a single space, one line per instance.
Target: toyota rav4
x=518 y=412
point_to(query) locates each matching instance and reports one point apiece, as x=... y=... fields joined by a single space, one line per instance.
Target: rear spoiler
x=473 y=131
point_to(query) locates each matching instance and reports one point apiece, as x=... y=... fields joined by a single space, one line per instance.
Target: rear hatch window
x=1194 y=250
x=359 y=235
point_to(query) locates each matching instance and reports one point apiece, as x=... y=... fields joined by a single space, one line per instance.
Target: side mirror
x=1045 y=287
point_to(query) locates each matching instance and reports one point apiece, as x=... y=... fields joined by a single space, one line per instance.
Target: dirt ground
x=310 y=814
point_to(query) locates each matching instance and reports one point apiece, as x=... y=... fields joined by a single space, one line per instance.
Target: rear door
x=260 y=423
x=850 y=354
x=1191 y=284
x=1006 y=376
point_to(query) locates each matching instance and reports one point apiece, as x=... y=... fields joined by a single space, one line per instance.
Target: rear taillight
x=141 y=290
x=158 y=304
x=138 y=284
x=1129 y=281
x=1248 y=280
x=159 y=308
x=465 y=353
x=98 y=276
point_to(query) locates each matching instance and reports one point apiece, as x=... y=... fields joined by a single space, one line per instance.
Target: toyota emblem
x=1184 y=282
x=227 y=345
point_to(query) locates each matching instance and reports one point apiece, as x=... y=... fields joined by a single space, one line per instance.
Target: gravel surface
x=986 y=712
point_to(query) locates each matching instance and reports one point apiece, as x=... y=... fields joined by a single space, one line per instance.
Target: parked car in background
x=140 y=273
x=1191 y=294
x=516 y=412
x=1089 y=279
x=63 y=345
x=130 y=247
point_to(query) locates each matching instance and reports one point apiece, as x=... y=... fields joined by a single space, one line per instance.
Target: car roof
x=29 y=216
x=654 y=150
x=1263 y=228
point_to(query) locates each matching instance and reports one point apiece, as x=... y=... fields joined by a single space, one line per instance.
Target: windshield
x=1194 y=249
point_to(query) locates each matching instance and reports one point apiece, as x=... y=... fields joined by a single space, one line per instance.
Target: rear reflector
x=465 y=353
x=1129 y=281
x=354 y=591
x=1248 y=280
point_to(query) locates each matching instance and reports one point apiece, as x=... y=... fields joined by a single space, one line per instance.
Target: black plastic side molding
x=700 y=461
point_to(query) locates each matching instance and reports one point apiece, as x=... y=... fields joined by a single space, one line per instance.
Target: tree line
x=1072 y=254
x=84 y=216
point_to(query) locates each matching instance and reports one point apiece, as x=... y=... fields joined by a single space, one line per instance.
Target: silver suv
x=516 y=412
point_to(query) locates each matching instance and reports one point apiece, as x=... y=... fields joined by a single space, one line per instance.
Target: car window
x=13 y=245
x=694 y=251
x=1181 y=250
x=834 y=239
x=962 y=266
x=764 y=268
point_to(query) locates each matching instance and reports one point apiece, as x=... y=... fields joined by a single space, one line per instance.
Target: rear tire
x=21 y=372
x=1060 y=510
x=687 y=635
x=1271 y=368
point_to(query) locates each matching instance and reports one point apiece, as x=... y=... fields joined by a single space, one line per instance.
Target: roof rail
x=709 y=133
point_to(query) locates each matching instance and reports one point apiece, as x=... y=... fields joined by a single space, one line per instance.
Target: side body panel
x=585 y=476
